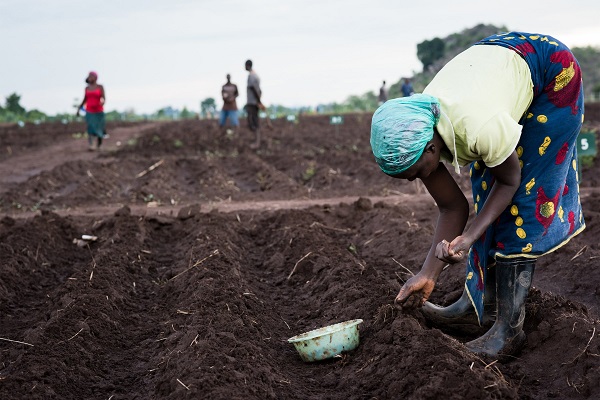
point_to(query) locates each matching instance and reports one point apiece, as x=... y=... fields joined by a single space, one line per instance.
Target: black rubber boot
x=506 y=337
x=460 y=317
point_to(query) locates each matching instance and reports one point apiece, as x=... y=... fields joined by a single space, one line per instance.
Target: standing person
x=253 y=103
x=406 y=88
x=229 y=92
x=519 y=136
x=93 y=99
x=383 y=94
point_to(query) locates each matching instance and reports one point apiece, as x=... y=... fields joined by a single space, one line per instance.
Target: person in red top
x=93 y=100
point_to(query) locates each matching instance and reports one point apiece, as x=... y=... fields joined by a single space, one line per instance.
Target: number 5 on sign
x=586 y=146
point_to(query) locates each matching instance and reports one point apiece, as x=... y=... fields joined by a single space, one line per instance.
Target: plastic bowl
x=327 y=342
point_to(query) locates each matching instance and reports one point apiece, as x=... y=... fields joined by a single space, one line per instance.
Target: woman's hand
x=415 y=291
x=454 y=251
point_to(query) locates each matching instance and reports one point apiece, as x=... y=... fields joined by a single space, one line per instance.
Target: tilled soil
x=211 y=255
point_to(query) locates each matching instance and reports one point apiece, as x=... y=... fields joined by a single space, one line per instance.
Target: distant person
x=93 y=101
x=407 y=89
x=253 y=103
x=229 y=93
x=383 y=94
x=519 y=136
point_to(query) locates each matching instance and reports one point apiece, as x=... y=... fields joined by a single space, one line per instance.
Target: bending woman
x=94 y=99
x=511 y=106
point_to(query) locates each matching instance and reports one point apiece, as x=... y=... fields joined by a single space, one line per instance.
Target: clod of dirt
x=188 y=212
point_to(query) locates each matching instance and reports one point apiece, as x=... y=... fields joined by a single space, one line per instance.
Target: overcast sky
x=150 y=54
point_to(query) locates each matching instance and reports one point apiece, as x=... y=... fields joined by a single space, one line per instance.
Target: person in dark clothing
x=407 y=88
x=383 y=94
x=253 y=103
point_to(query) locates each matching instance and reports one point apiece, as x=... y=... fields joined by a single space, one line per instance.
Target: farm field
x=210 y=255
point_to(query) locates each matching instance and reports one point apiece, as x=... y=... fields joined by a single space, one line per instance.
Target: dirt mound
x=194 y=161
x=177 y=301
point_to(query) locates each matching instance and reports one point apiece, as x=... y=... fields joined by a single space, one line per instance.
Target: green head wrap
x=401 y=128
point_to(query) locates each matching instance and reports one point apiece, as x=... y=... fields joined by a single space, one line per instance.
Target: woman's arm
x=82 y=102
x=454 y=213
x=102 y=95
x=507 y=180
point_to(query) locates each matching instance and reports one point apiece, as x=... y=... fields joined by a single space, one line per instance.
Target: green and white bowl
x=327 y=342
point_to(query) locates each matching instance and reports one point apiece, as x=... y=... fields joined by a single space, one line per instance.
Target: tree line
x=432 y=53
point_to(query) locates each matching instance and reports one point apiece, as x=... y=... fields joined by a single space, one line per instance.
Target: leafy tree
x=12 y=104
x=167 y=113
x=429 y=51
x=589 y=58
x=186 y=114
x=113 y=116
x=452 y=45
x=366 y=102
x=35 y=115
x=208 y=106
